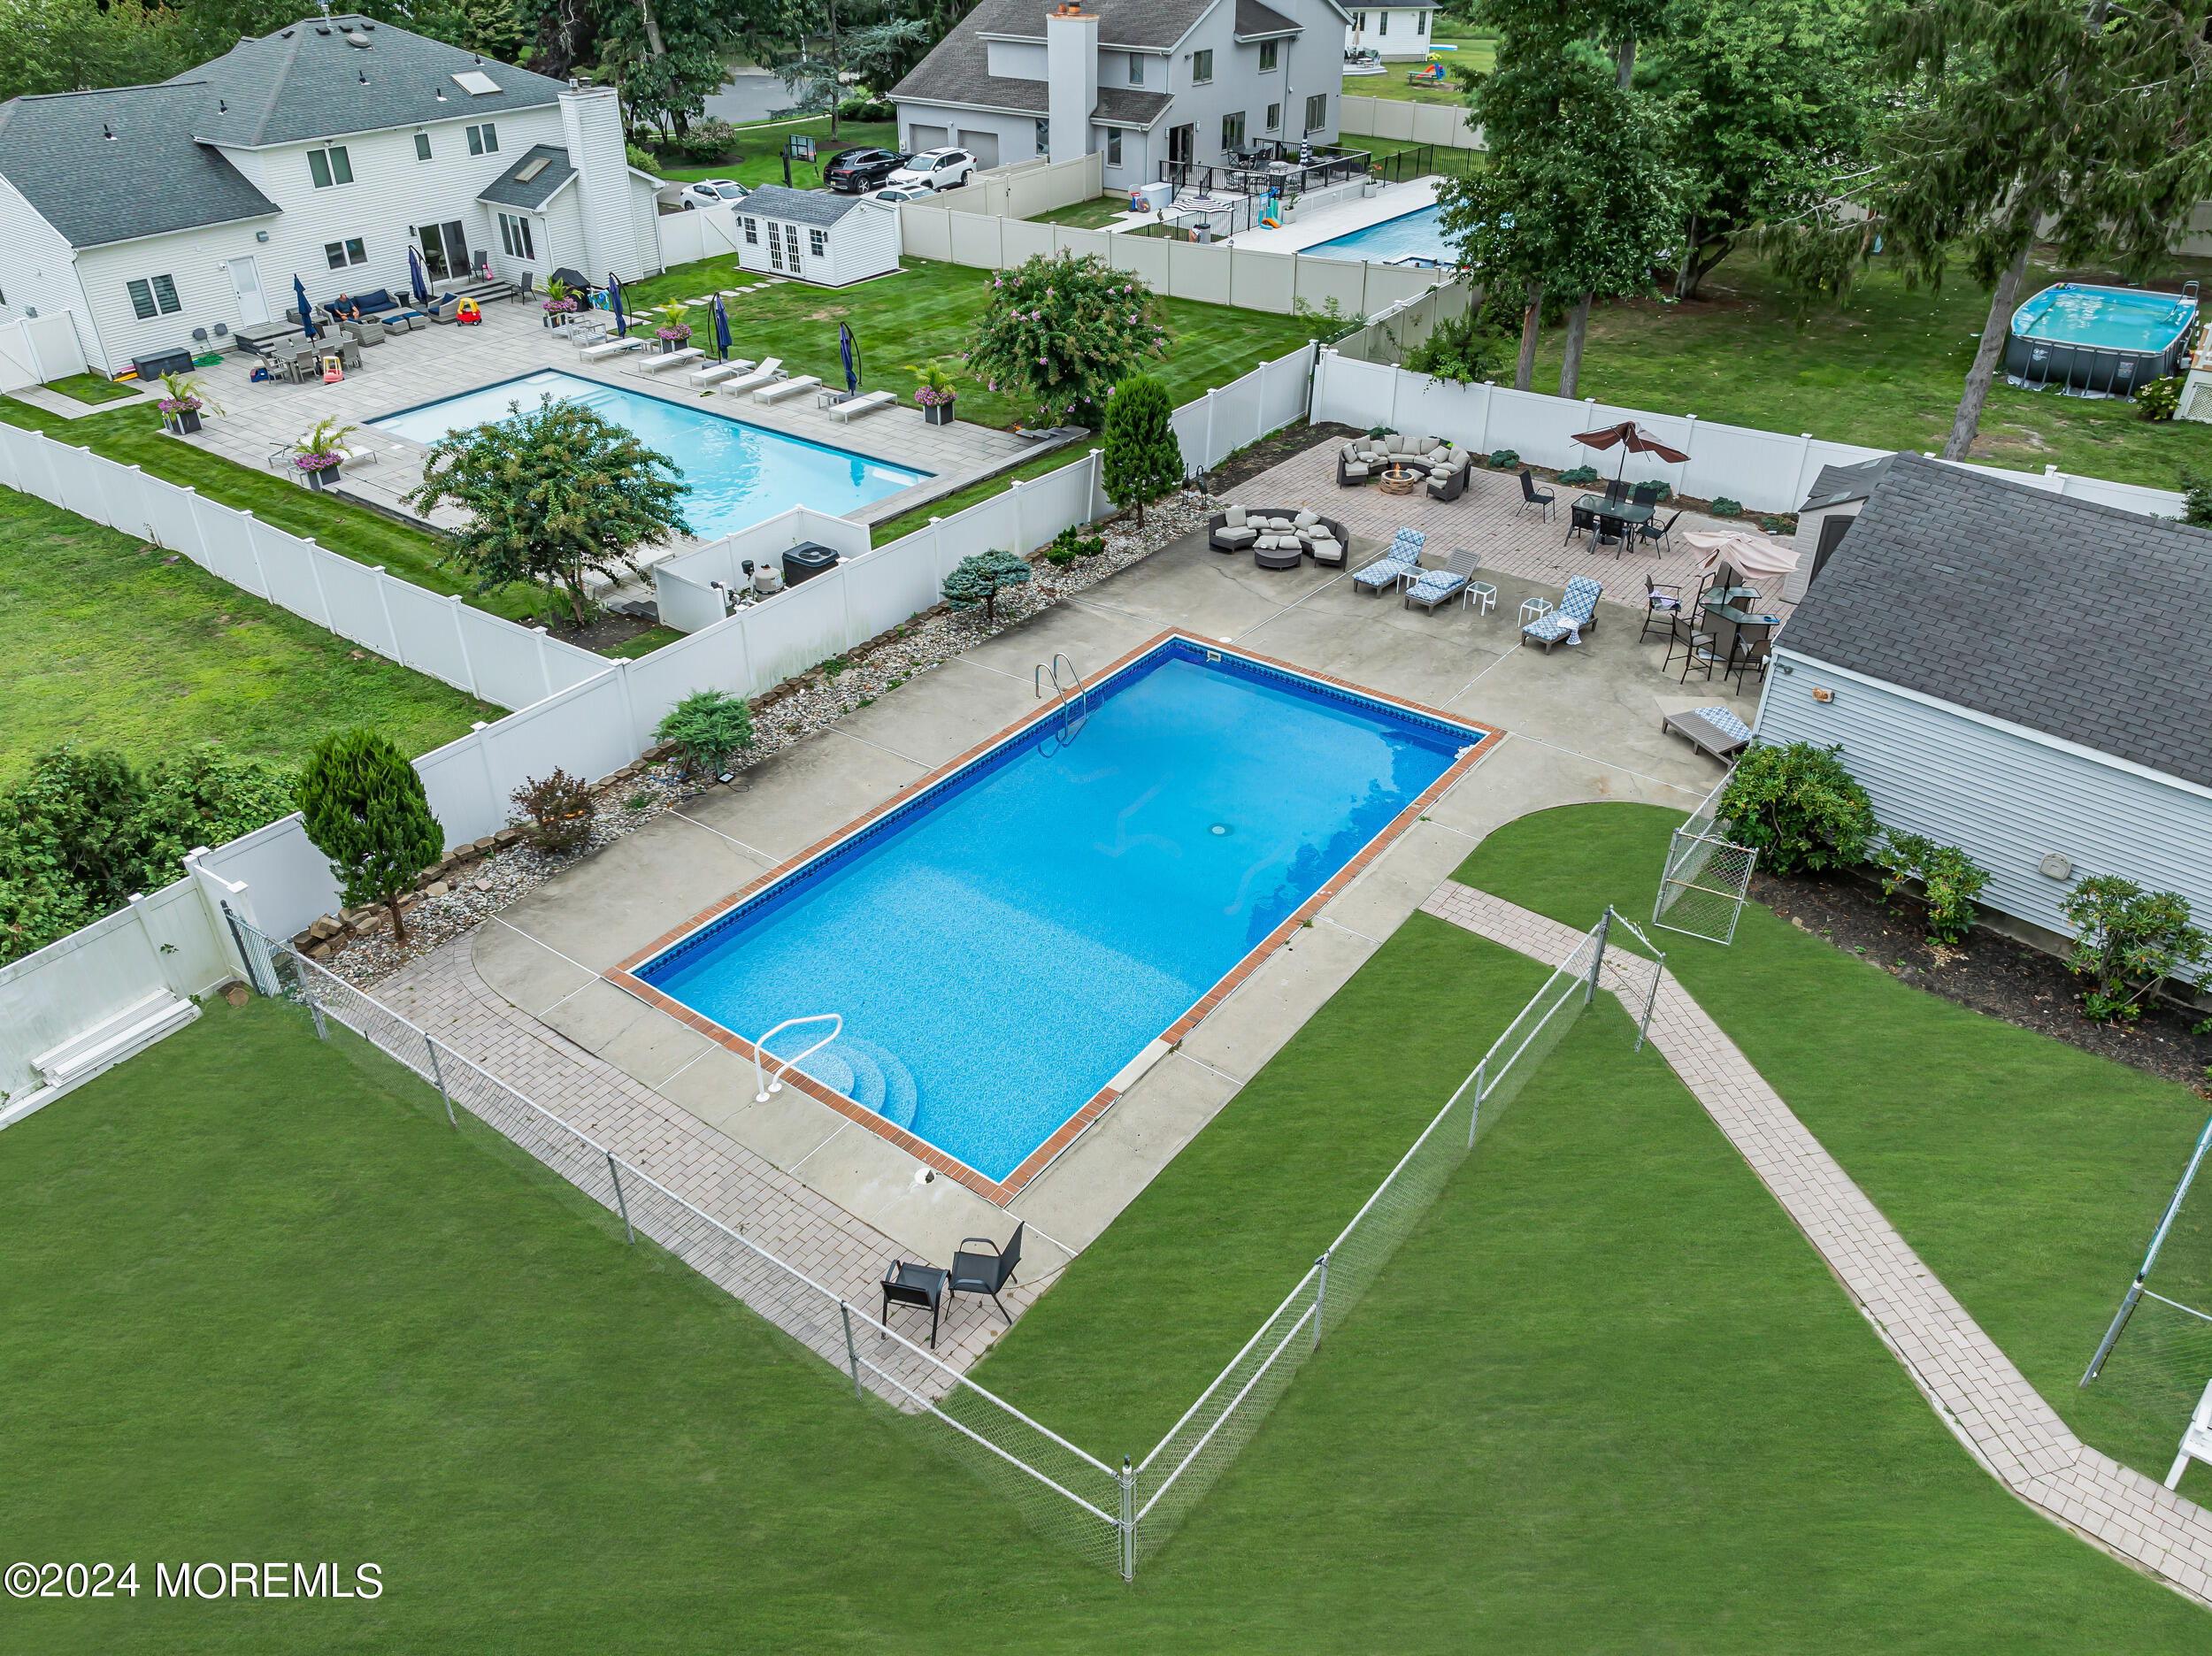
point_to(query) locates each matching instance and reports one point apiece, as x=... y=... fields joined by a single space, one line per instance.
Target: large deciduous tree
x=75 y=45
x=1060 y=332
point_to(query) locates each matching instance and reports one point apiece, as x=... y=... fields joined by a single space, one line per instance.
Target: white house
x=1398 y=32
x=1144 y=82
x=817 y=235
x=323 y=151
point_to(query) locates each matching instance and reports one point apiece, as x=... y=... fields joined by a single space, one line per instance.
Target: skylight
x=532 y=169
x=475 y=83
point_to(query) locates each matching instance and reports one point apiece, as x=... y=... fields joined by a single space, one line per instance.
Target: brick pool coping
x=1002 y=1192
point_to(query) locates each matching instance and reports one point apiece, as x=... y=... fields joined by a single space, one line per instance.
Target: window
x=352 y=250
x=1274 y=118
x=752 y=231
x=818 y=243
x=1113 y=146
x=1267 y=56
x=1044 y=136
x=484 y=139
x=1382 y=22
x=1136 y=68
x=514 y=235
x=1232 y=131
x=1316 y=111
x=329 y=167
x=1201 y=67
x=422 y=146
x=775 y=247
x=475 y=83
x=1359 y=21
x=1420 y=22
x=155 y=297
x=791 y=245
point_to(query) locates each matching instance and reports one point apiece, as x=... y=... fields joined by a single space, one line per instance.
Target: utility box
x=805 y=563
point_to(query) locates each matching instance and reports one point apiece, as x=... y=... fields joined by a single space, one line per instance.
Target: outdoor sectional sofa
x=1305 y=532
x=1444 y=463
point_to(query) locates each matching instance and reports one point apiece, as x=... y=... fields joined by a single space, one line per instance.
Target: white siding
x=864 y=243
x=2003 y=796
x=37 y=271
x=1016 y=60
x=197 y=262
x=564 y=233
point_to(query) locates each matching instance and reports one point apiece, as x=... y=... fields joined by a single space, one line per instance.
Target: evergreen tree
x=367 y=813
x=980 y=577
x=1143 y=460
x=709 y=727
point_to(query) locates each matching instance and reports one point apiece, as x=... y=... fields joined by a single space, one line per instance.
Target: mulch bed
x=1988 y=973
x=1276 y=447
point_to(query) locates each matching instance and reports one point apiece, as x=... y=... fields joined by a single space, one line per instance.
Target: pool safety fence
x=1108 y=1515
x=2157 y=1352
x=1702 y=888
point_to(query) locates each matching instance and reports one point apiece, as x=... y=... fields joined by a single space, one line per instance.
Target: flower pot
x=184 y=422
x=315 y=480
x=938 y=413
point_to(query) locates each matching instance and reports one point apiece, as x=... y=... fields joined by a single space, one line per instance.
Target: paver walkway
x=2001 y=1418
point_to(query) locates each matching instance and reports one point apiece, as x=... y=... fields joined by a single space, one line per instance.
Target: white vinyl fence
x=35 y=349
x=1450 y=125
x=1390 y=333
x=703 y=233
x=1026 y=189
x=1765 y=470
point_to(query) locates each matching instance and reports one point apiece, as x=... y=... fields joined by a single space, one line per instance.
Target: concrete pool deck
x=1583 y=724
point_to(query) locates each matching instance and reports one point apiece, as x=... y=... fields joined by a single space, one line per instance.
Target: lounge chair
x=1577 y=613
x=1711 y=730
x=610 y=348
x=719 y=372
x=662 y=361
x=867 y=404
x=1432 y=587
x=783 y=389
x=1402 y=559
x=770 y=371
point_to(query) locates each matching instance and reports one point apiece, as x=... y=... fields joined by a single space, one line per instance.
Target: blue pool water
x=1415 y=233
x=735 y=475
x=1002 y=945
x=2109 y=318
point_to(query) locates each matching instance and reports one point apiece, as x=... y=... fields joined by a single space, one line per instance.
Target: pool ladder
x=1075 y=712
x=781 y=1067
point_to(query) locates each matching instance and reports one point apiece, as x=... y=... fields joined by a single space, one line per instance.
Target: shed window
x=154 y=296
x=752 y=231
x=818 y=243
x=1420 y=22
x=1382 y=22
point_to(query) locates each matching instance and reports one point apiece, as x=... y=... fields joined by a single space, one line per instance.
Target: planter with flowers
x=560 y=305
x=673 y=333
x=317 y=455
x=185 y=395
x=936 y=393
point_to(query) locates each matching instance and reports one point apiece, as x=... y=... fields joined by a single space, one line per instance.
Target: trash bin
x=805 y=563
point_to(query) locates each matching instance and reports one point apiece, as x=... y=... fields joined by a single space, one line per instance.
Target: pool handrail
x=762 y=1086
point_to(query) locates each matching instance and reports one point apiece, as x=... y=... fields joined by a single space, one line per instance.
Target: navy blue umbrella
x=614 y=298
x=721 y=329
x=415 y=277
x=307 y=317
x=851 y=354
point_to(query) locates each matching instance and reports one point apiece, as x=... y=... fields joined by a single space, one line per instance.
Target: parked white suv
x=712 y=192
x=933 y=169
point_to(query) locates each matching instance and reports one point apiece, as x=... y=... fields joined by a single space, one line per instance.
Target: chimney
x=1071 y=77
x=591 y=129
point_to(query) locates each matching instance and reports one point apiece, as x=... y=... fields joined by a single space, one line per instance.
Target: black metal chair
x=1660 y=599
x=1749 y=652
x=1646 y=493
x=914 y=1286
x=1530 y=496
x=1615 y=490
x=1657 y=532
x=1683 y=631
x=985 y=1273
x=1581 y=520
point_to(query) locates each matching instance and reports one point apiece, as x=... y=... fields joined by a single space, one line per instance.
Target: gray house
x=2021 y=675
x=1142 y=83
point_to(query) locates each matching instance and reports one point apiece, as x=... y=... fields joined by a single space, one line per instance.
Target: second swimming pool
x=1408 y=235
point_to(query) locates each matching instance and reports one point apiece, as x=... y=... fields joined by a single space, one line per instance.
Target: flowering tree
x=1062 y=332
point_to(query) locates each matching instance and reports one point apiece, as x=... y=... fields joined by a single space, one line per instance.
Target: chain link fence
x=1701 y=890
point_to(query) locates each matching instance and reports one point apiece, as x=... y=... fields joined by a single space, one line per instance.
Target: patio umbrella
x=416 y=279
x=721 y=329
x=614 y=299
x=1747 y=553
x=307 y=317
x=1632 y=440
x=851 y=354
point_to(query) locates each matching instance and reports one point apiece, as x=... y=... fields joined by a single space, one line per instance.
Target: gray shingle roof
x=958 y=71
x=305 y=81
x=1256 y=21
x=150 y=178
x=1157 y=24
x=808 y=207
x=511 y=189
x=1836 y=484
x=2082 y=621
x=1127 y=107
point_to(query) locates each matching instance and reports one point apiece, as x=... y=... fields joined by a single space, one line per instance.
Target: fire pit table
x=1399 y=480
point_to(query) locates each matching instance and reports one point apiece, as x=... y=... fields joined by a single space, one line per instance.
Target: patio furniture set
x=983 y=1271
x=1623 y=514
x=1717 y=628
x=1279 y=537
x=1398 y=464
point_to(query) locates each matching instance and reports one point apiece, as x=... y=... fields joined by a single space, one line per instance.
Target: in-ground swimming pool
x=735 y=475
x=1005 y=943
x=1408 y=235
x=2100 y=341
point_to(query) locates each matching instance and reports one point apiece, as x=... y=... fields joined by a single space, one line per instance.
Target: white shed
x=817 y=235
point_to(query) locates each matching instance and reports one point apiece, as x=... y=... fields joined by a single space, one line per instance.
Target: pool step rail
x=1074 y=712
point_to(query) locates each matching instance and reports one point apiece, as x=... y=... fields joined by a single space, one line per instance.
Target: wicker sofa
x=1366 y=458
x=1308 y=534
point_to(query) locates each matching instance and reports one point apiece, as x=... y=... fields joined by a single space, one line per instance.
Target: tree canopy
x=1060 y=332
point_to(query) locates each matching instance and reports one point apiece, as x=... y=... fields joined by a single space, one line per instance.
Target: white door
x=245 y=280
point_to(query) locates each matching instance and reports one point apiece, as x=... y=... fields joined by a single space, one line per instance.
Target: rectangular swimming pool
x=1003 y=943
x=2097 y=340
x=735 y=475
x=1414 y=235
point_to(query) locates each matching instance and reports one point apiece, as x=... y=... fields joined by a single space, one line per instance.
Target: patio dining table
x=1622 y=514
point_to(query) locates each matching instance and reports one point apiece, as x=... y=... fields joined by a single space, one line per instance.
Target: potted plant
x=935 y=393
x=560 y=305
x=318 y=455
x=186 y=397
x=674 y=332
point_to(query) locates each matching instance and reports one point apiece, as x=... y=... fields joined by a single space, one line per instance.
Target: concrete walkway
x=1973 y=1386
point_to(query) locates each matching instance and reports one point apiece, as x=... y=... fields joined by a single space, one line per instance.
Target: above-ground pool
x=2097 y=340
x=735 y=475
x=1004 y=945
x=1414 y=235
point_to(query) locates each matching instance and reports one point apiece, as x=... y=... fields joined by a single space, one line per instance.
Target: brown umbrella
x=1632 y=440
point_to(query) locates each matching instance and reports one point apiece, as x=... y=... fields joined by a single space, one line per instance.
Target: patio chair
x=714 y=373
x=985 y=1273
x=1581 y=520
x=1699 y=649
x=784 y=388
x=1432 y=587
x=1577 y=613
x=867 y=403
x=605 y=348
x=1745 y=653
x=914 y=1286
x=1530 y=496
x=1646 y=493
x=1449 y=482
x=1682 y=633
x=1657 y=532
x=1660 y=599
x=770 y=371
x=661 y=362
x=1615 y=490
x=1402 y=559
x=1711 y=730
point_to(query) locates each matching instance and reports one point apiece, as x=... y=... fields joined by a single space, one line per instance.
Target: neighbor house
x=817 y=235
x=323 y=151
x=1142 y=83
x=1392 y=32
x=2019 y=674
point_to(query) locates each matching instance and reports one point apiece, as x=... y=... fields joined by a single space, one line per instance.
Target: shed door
x=982 y=145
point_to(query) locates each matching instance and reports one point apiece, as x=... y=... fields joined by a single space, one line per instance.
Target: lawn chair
x=1530 y=496
x=662 y=361
x=1660 y=599
x=1432 y=587
x=1402 y=559
x=914 y=1286
x=986 y=1273
x=770 y=371
x=784 y=388
x=867 y=403
x=715 y=374
x=1657 y=533
x=1577 y=613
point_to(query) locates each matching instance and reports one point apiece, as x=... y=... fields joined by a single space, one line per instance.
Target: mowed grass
x=262 y=1303
x=110 y=646
x=759 y=159
x=2028 y=1174
x=91 y=387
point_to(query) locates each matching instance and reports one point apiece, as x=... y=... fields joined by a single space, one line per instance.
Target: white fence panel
x=715 y=658
x=170 y=518
x=925 y=232
x=461 y=789
x=975 y=239
x=1078 y=243
x=1285 y=386
x=681 y=240
x=802 y=626
x=425 y=626
x=290 y=880
x=686 y=605
x=19 y=360
x=1196 y=271
x=1263 y=281
x=55 y=341
x=1147 y=256
x=84 y=482
x=892 y=585
x=1019 y=241
x=583 y=729
x=508 y=666
x=1353 y=392
x=1189 y=424
x=226 y=543
x=355 y=594
x=1319 y=280
x=287 y=567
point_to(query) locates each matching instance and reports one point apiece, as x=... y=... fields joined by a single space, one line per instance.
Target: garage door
x=982 y=145
x=921 y=137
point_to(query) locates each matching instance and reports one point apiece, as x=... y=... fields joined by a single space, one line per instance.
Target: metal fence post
x=313 y=1006
x=1474 y=1111
x=1320 y=1299
x=1128 y=1522
x=2112 y=1334
x=1651 y=1000
x=852 y=1354
x=614 y=1172
x=437 y=1074
x=1597 y=963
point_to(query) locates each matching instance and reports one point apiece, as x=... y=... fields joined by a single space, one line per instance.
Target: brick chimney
x=1071 y=77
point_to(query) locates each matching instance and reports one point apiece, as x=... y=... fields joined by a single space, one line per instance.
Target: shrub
x=866 y=110
x=1723 y=507
x=2157 y=399
x=1382 y=430
x=367 y=813
x=1459 y=348
x=2196 y=488
x=1143 y=459
x=708 y=727
x=1666 y=490
x=1070 y=545
x=2127 y=941
x=1800 y=808
x=1579 y=474
x=556 y=810
x=1949 y=881
x=1060 y=332
x=980 y=579
x=1504 y=459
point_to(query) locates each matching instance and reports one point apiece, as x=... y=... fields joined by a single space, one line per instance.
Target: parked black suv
x=857 y=170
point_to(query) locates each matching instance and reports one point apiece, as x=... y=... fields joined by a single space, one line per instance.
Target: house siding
x=1396 y=34
x=2001 y=794
x=197 y=262
x=38 y=270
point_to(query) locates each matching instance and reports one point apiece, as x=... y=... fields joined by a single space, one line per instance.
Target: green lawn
x=91 y=387
x=1093 y=214
x=1606 y=1399
x=760 y=152
x=109 y=646
x=2028 y=1174
x=1477 y=51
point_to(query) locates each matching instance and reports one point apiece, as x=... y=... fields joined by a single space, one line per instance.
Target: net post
x=437 y=1074
x=1597 y=961
x=852 y=1354
x=1128 y=1525
x=2112 y=1334
x=614 y=1172
x=1320 y=1299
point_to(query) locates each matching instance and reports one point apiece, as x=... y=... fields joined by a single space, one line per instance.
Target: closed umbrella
x=307 y=317
x=851 y=354
x=1633 y=440
x=1742 y=551
x=614 y=299
x=416 y=279
x=721 y=329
